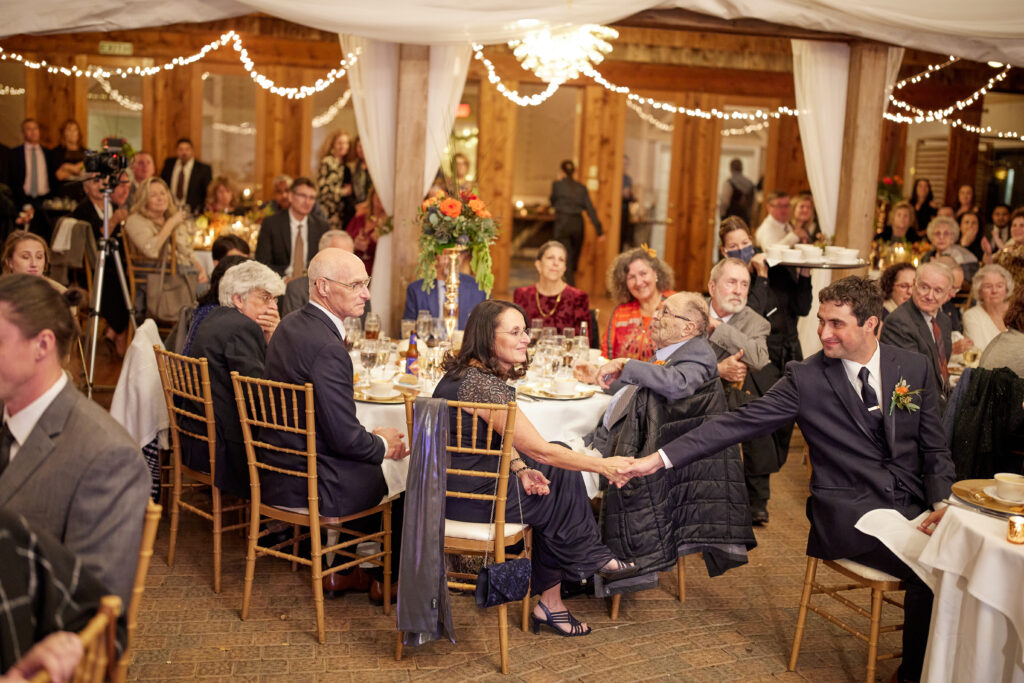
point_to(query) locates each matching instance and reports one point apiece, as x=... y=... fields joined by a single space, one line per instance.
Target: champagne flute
x=424 y=324
x=407 y=328
x=368 y=356
x=383 y=351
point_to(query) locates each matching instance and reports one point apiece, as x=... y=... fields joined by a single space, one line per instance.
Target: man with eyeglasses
x=683 y=361
x=775 y=228
x=287 y=239
x=309 y=346
x=920 y=325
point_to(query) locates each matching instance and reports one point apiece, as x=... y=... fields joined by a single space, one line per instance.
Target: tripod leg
x=115 y=252
x=95 y=314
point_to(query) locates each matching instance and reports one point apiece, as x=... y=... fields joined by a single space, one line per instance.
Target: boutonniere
x=659 y=362
x=903 y=397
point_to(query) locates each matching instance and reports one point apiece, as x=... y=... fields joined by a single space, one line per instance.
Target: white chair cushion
x=477 y=531
x=865 y=572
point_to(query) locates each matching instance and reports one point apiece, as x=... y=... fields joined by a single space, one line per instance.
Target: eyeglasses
x=661 y=310
x=516 y=332
x=264 y=296
x=354 y=286
x=307 y=197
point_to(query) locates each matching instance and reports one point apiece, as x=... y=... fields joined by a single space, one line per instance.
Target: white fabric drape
x=820 y=77
x=991 y=30
x=374 y=83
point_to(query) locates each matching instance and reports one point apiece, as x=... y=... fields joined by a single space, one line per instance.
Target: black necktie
x=6 y=440
x=870 y=398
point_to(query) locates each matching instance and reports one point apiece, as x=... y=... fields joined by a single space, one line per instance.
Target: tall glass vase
x=451 y=290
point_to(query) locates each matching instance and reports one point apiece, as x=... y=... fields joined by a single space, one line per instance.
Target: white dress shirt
x=296 y=226
x=179 y=170
x=22 y=424
x=339 y=323
x=42 y=183
x=772 y=232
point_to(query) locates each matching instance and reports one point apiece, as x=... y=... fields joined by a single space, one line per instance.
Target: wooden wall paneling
x=284 y=131
x=496 y=173
x=600 y=169
x=178 y=99
x=861 y=148
x=893 y=155
x=150 y=119
x=962 y=162
x=54 y=101
x=80 y=111
x=690 y=223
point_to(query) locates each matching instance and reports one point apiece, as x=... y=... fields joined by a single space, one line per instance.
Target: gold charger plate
x=537 y=392
x=390 y=400
x=972 y=491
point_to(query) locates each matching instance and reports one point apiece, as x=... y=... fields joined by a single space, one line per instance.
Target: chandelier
x=562 y=55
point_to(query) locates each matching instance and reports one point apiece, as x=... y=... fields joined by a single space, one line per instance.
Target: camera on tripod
x=109 y=162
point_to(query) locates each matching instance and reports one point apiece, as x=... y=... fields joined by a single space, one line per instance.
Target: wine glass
x=368 y=356
x=353 y=332
x=407 y=327
x=371 y=328
x=383 y=351
x=424 y=324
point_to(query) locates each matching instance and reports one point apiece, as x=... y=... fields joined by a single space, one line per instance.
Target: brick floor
x=738 y=626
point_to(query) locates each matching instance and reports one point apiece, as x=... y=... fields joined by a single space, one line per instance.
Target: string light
x=648 y=118
x=957 y=123
x=745 y=130
x=11 y=90
x=240 y=129
x=959 y=105
x=927 y=73
x=322 y=120
x=112 y=93
x=511 y=95
x=292 y=93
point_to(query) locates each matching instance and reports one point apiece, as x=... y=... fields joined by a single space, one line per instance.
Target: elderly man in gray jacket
x=739 y=336
x=682 y=362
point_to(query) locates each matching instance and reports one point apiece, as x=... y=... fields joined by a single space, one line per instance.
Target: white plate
x=991 y=492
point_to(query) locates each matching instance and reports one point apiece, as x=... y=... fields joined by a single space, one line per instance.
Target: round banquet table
x=555 y=420
x=977 y=626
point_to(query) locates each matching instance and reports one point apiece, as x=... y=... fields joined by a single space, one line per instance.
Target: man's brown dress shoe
x=337 y=583
x=377 y=592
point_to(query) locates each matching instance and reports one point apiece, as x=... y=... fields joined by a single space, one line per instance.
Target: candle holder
x=1015 y=532
x=451 y=291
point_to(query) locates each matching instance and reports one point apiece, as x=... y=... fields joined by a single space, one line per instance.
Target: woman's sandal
x=563 y=617
x=625 y=571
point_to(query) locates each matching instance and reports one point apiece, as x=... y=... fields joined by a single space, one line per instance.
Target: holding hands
x=640 y=467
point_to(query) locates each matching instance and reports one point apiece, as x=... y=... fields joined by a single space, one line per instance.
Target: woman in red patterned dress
x=559 y=305
x=640 y=281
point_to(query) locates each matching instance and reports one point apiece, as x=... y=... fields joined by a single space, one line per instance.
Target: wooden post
x=410 y=157
x=862 y=142
x=496 y=168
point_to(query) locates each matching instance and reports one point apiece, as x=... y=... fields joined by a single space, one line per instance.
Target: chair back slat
x=188 y=379
x=99 y=642
x=149 y=527
x=271 y=406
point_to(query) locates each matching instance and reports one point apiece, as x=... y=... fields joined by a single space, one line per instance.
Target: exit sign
x=109 y=47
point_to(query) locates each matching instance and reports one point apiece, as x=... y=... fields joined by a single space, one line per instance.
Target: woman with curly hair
x=334 y=180
x=897 y=284
x=639 y=281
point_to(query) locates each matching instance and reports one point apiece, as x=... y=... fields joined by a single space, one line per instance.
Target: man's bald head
x=680 y=317
x=338 y=282
x=339 y=239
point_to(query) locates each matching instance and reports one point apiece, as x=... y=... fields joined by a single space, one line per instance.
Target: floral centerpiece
x=452 y=222
x=890 y=189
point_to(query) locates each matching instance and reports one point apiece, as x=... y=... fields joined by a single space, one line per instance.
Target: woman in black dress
x=548 y=487
x=569 y=199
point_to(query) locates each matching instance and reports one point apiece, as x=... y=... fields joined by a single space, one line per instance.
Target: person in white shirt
x=775 y=228
x=187 y=177
x=288 y=239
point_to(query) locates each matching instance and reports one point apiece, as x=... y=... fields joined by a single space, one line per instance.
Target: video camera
x=110 y=161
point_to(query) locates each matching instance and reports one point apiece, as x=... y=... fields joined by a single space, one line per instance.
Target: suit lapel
x=890 y=375
x=39 y=444
x=852 y=403
x=925 y=332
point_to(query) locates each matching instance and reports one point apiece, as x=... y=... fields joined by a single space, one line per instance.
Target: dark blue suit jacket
x=853 y=472
x=274 y=245
x=306 y=347
x=417 y=300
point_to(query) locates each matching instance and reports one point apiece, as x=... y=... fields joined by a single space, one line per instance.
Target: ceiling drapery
x=984 y=30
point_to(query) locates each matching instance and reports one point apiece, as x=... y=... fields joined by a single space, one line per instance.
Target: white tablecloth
x=977 y=626
x=555 y=420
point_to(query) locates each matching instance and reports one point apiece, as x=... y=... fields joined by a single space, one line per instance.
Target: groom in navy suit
x=867 y=452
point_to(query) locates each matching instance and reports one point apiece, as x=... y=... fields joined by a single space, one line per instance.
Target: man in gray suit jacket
x=682 y=363
x=739 y=337
x=920 y=325
x=65 y=464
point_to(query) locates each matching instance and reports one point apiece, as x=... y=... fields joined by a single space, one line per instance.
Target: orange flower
x=451 y=207
x=902 y=391
x=477 y=205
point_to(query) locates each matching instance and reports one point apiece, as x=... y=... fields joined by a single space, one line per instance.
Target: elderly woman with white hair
x=991 y=289
x=943 y=233
x=233 y=336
